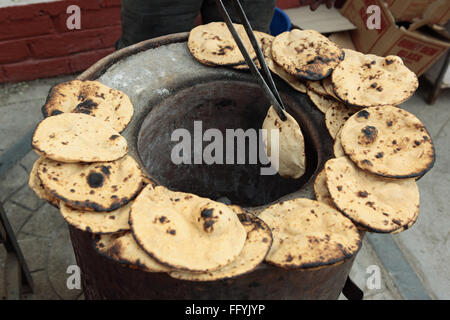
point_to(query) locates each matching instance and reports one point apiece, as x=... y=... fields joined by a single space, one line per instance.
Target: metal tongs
x=265 y=80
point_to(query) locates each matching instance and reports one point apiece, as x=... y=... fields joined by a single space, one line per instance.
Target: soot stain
x=86 y=106
x=95 y=180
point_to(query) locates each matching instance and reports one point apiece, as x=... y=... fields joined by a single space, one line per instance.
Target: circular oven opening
x=175 y=129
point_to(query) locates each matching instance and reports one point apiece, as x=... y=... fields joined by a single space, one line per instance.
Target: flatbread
x=322 y=103
x=369 y=80
x=388 y=141
x=308 y=234
x=185 y=231
x=336 y=116
x=97 y=222
x=36 y=185
x=328 y=87
x=213 y=44
x=290 y=146
x=317 y=87
x=409 y=225
x=295 y=83
x=306 y=54
x=378 y=204
x=337 y=146
x=122 y=247
x=256 y=247
x=321 y=189
x=262 y=38
x=77 y=137
x=92 y=98
x=101 y=186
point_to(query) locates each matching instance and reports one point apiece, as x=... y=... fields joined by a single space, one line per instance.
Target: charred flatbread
x=92 y=98
x=97 y=222
x=328 y=87
x=316 y=87
x=321 y=189
x=101 y=186
x=308 y=234
x=76 y=137
x=324 y=103
x=336 y=116
x=213 y=44
x=369 y=80
x=185 y=231
x=256 y=247
x=306 y=54
x=388 y=141
x=290 y=144
x=36 y=185
x=376 y=203
x=337 y=146
x=122 y=247
x=294 y=82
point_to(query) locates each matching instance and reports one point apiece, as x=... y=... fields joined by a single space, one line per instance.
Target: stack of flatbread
x=380 y=152
x=187 y=236
x=83 y=168
x=309 y=234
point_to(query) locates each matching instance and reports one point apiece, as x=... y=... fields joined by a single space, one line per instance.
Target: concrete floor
x=413 y=264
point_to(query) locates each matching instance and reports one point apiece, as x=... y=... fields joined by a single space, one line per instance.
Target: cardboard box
x=323 y=20
x=418 y=51
x=436 y=11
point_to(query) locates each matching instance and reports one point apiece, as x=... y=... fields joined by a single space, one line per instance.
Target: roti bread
x=291 y=144
x=316 y=87
x=306 y=54
x=409 y=225
x=328 y=87
x=101 y=186
x=213 y=44
x=256 y=247
x=308 y=234
x=77 y=137
x=376 y=203
x=337 y=146
x=370 y=80
x=294 y=82
x=321 y=189
x=97 y=222
x=262 y=38
x=388 y=141
x=336 y=116
x=92 y=98
x=324 y=103
x=122 y=247
x=185 y=231
x=36 y=185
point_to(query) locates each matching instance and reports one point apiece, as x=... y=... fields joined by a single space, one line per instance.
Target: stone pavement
x=20 y=111
x=412 y=264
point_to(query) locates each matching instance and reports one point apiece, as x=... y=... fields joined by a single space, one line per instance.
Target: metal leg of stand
x=18 y=279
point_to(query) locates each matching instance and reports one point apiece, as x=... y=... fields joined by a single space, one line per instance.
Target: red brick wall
x=35 y=41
